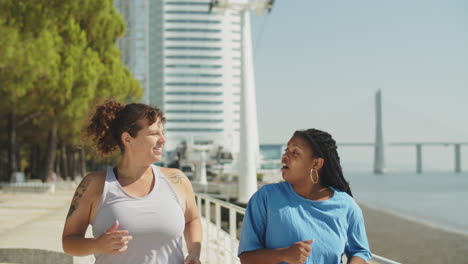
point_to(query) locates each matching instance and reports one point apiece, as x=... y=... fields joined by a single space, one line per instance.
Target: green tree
x=24 y=60
x=66 y=63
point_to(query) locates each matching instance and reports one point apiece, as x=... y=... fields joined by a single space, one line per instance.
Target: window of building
x=193 y=39
x=185 y=129
x=195 y=120
x=193 y=84
x=191 y=48
x=193 y=111
x=204 y=30
x=195 y=102
x=187 y=3
x=186 y=57
x=194 y=75
x=193 y=21
x=187 y=12
x=202 y=66
x=194 y=93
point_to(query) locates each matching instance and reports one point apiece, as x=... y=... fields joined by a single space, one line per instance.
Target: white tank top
x=155 y=221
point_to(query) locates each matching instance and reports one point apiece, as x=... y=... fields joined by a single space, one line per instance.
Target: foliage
x=58 y=59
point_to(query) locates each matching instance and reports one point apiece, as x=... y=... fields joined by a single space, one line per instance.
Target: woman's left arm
x=193 y=226
x=357 y=247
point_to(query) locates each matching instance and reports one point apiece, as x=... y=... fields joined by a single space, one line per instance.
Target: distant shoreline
x=411 y=242
x=417 y=220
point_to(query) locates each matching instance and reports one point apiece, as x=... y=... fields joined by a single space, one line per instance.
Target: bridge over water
x=379 y=160
x=379 y=145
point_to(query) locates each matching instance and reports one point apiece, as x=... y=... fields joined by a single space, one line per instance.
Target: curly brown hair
x=111 y=119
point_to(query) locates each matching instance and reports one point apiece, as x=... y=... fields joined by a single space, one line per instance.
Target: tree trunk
x=76 y=162
x=11 y=127
x=71 y=164
x=50 y=153
x=63 y=161
x=57 y=165
x=34 y=162
x=83 y=162
x=2 y=166
x=18 y=156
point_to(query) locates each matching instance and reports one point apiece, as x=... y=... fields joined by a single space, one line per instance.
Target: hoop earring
x=311 y=175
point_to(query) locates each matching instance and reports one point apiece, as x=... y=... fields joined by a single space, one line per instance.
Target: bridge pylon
x=379 y=158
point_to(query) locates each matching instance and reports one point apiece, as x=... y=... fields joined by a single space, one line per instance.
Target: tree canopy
x=59 y=58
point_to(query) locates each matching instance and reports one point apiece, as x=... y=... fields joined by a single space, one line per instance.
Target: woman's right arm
x=77 y=221
x=297 y=253
x=74 y=243
x=252 y=244
x=262 y=255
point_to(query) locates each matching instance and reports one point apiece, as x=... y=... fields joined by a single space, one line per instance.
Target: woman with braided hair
x=139 y=212
x=311 y=217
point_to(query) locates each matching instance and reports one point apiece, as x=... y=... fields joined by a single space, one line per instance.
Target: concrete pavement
x=31 y=226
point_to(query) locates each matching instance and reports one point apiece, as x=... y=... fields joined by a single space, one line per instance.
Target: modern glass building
x=193 y=67
x=134 y=46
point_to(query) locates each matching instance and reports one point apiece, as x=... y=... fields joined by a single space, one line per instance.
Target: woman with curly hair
x=138 y=211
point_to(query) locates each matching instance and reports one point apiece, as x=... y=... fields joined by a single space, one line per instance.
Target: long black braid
x=324 y=146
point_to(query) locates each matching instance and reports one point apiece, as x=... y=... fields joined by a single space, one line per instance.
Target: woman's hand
x=113 y=241
x=192 y=259
x=298 y=252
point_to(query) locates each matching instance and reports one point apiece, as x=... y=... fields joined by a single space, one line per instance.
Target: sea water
x=439 y=199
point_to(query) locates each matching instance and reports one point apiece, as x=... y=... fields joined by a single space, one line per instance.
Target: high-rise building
x=193 y=67
x=134 y=46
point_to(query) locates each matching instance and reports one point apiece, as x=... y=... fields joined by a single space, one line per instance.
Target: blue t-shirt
x=278 y=217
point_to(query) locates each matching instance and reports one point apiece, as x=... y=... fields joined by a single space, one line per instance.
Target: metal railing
x=221 y=221
x=220 y=229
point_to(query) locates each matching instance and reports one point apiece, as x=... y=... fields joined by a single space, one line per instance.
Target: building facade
x=192 y=60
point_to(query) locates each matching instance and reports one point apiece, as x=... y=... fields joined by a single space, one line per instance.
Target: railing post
x=232 y=233
x=207 y=228
x=218 y=235
x=199 y=205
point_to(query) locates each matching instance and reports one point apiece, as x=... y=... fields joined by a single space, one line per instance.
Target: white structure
x=379 y=160
x=249 y=143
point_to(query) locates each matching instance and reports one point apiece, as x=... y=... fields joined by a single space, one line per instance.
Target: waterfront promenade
x=35 y=221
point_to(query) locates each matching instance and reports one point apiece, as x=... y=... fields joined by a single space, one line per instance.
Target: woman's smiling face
x=149 y=142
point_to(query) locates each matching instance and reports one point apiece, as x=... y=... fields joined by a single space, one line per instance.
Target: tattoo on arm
x=177 y=177
x=78 y=194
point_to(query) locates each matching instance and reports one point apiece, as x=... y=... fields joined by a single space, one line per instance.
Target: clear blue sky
x=318 y=63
